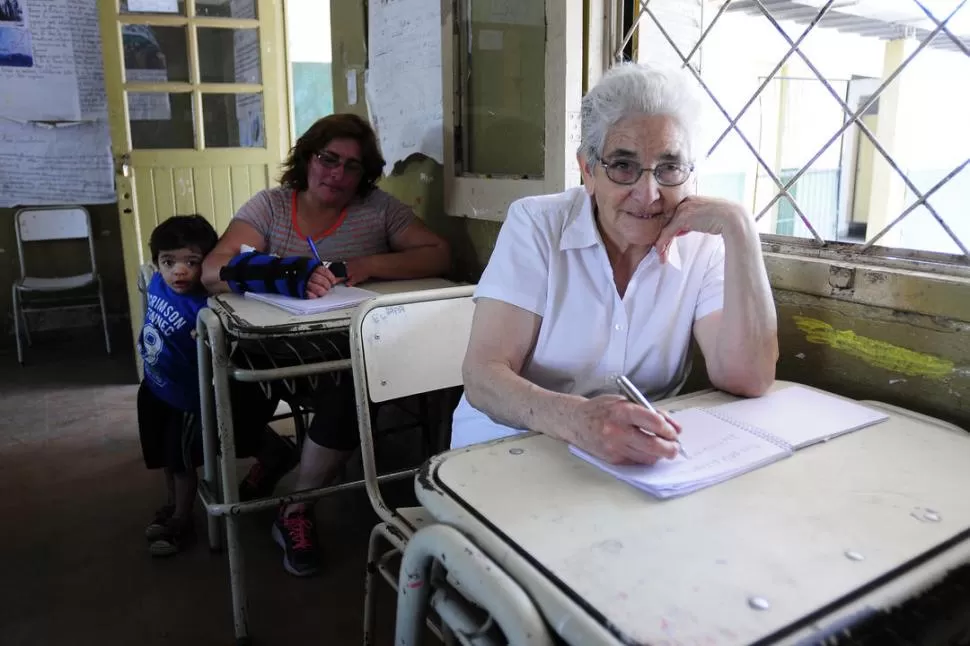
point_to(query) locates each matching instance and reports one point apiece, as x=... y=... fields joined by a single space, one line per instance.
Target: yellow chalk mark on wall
x=876 y=353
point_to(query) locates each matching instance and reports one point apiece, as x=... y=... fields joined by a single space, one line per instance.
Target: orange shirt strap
x=333 y=227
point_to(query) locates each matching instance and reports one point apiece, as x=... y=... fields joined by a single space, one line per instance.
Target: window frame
x=862 y=253
x=488 y=198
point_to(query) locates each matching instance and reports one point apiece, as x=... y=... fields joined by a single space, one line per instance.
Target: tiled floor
x=75 y=499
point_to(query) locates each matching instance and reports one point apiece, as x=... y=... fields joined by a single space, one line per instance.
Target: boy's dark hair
x=182 y=231
x=317 y=136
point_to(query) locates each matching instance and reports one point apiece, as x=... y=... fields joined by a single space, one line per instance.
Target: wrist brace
x=254 y=271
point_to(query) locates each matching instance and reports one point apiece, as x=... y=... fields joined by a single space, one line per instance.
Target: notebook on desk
x=339 y=297
x=728 y=440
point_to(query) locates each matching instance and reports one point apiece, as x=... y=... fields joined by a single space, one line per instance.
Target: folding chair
x=402 y=345
x=40 y=224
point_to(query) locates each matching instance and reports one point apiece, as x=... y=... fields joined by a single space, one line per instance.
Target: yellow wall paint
x=876 y=353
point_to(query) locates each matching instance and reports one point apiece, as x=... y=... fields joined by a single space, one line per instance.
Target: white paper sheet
x=48 y=89
x=403 y=81
x=340 y=297
x=67 y=164
x=154 y=6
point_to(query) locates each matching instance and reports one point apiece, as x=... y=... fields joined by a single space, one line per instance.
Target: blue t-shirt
x=167 y=346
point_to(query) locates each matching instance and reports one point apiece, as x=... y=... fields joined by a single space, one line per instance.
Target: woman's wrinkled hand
x=702 y=214
x=609 y=427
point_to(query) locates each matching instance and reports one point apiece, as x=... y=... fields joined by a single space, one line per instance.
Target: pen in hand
x=633 y=394
x=316 y=254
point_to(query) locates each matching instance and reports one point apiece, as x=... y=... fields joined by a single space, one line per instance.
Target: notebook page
x=800 y=416
x=339 y=297
x=718 y=451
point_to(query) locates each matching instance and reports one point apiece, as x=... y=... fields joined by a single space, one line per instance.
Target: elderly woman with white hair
x=611 y=278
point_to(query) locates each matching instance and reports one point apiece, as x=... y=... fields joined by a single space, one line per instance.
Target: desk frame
x=574 y=620
x=218 y=488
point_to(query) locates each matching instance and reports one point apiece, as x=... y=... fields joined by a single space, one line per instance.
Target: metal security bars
x=914 y=24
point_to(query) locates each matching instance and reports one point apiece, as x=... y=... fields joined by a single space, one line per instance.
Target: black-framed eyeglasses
x=626 y=172
x=330 y=161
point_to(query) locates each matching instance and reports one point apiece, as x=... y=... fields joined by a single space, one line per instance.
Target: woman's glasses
x=331 y=161
x=627 y=172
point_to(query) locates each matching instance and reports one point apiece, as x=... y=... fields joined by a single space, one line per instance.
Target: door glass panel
x=233 y=120
x=229 y=55
x=155 y=54
x=176 y=7
x=226 y=8
x=161 y=120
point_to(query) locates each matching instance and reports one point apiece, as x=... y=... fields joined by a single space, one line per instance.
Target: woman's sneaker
x=294 y=532
x=176 y=537
x=159 y=523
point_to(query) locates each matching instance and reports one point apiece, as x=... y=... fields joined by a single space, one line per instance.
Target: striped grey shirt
x=367 y=229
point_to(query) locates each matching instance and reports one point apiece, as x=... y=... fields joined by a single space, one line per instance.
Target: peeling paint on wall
x=876 y=353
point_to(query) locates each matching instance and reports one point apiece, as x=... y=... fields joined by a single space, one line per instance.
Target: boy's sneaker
x=159 y=524
x=296 y=535
x=176 y=537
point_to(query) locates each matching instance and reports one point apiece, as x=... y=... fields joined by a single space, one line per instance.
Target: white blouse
x=550 y=259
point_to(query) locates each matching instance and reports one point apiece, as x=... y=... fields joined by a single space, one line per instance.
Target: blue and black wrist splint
x=254 y=271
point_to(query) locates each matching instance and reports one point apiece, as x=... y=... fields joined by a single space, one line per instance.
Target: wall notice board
x=51 y=72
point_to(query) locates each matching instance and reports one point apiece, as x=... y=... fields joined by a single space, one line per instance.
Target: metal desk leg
x=209 y=446
x=230 y=492
x=508 y=604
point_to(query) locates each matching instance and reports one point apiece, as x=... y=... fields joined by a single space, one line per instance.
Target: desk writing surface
x=245 y=318
x=682 y=570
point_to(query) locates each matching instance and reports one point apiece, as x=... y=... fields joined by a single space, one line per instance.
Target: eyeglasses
x=627 y=172
x=331 y=161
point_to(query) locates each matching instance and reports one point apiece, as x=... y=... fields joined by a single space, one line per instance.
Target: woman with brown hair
x=327 y=194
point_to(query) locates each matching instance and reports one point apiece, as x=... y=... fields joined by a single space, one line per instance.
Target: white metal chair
x=402 y=345
x=41 y=224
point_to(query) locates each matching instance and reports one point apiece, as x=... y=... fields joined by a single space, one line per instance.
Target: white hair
x=632 y=88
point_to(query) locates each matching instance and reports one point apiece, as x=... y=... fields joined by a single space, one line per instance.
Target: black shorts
x=172 y=438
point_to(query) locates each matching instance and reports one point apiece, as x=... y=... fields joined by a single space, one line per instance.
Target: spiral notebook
x=728 y=440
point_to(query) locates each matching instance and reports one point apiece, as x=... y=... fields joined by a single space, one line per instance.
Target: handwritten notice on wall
x=55 y=165
x=47 y=89
x=403 y=80
x=64 y=81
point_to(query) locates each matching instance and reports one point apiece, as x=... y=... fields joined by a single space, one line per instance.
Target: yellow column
x=887 y=192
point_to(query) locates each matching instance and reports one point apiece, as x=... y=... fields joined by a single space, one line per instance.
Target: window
x=512 y=89
x=308 y=54
x=831 y=120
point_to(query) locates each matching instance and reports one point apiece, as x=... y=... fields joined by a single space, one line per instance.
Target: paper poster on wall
x=403 y=81
x=47 y=89
x=153 y=6
x=46 y=165
x=88 y=67
x=15 y=47
x=145 y=63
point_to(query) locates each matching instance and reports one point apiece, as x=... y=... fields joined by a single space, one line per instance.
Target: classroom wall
x=866 y=332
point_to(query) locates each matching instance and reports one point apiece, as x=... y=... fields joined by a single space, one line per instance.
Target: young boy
x=168 y=399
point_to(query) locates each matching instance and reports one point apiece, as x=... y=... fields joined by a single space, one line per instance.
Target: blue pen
x=316 y=254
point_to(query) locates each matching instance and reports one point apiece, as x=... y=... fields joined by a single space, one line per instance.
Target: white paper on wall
x=403 y=80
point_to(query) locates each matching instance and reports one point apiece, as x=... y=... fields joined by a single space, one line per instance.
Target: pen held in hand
x=633 y=394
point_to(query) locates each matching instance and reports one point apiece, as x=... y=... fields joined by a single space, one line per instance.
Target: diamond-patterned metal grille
x=828 y=14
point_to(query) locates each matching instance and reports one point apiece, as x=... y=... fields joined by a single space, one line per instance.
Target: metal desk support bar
x=219 y=487
x=510 y=607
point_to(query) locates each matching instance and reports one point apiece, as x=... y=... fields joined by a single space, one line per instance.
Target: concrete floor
x=76 y=498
